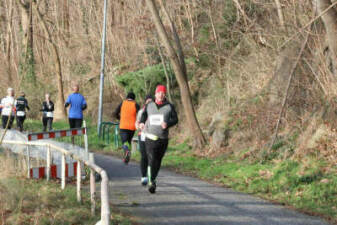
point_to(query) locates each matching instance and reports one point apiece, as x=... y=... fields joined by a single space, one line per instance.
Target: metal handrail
x=102 y=130
x=105 y=208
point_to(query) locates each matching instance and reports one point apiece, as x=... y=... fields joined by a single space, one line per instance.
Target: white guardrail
x=105 y=208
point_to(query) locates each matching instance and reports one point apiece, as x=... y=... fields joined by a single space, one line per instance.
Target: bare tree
x=194 y=127
x=66 y=22
x=27 y=24
x=280 y=13
x=9 y=10
x=330 y=23
x=60 y=112
x=28 y=64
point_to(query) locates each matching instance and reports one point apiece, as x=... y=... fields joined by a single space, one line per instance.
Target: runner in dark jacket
x=21 y=106
x=48 y=113
x=160 y=116
x=141 y=141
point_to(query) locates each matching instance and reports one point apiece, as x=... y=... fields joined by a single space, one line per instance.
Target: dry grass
x=25 y=201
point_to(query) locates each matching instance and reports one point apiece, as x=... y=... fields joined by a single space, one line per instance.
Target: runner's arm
x=67 y=102
x=118 y=111
x=173 y=120
x=26 y=105
x=51 y=106
x=143 y=118
x=84 y=104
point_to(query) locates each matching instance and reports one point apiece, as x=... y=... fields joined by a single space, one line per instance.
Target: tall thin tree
x=199 y=139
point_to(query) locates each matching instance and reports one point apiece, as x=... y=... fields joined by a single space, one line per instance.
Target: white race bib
x=20 y=113
x=49 y=114
x=156 y=119
x=142 y=136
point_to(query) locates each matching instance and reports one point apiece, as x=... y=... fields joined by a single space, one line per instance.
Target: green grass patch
x=303 y=186
x=24 y=201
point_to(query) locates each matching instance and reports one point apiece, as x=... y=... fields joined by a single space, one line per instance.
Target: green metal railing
x=105 y=129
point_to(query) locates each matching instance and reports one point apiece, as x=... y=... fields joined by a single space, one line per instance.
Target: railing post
x=86 y=138
x=63 y=172
x=108 y=135
x=116 y=136
x=105 y=207
x=28 y=161
x=78 y=175
x=102 y=131
x=92 y=185
x=48 y=162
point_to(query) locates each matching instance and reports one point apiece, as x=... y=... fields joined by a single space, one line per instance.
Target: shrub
x=144 y=81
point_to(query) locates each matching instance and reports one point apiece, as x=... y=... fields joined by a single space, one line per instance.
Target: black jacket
x=21 y=104
x=46 y=107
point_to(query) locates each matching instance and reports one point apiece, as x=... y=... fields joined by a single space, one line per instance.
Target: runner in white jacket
x=8 y=109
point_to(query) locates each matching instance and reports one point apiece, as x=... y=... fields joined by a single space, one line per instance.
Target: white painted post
x=134 y=145
x=78 y=175
x=28 y=161
x=92 y=185
x=105 y=207
x=85 y=144
x=48 y=162
x=85 y=138
x=63 y=172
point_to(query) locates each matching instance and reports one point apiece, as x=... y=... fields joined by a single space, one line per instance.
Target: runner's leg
x=50 y=123
x=11 y=119
x=150 y=146
x=4 y=121
x=158 y=155
x=44 y=122
x=143 y=160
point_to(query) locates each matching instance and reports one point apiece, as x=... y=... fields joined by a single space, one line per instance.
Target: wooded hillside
x=262 y=74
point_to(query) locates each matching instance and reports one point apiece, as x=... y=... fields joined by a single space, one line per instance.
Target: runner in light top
x=8 y=109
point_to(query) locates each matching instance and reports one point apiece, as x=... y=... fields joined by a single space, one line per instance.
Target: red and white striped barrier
x=55 y=171
x=56 y=134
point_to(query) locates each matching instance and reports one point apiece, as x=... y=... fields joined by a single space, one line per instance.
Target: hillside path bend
x=183 y=200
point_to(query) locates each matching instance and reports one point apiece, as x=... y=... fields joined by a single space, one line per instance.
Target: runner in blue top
x=77 y=105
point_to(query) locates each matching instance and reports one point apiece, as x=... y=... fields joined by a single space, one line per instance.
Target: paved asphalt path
x=182 y=200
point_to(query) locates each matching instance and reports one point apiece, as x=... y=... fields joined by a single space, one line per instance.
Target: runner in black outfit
x=47 y=117
x=21 y=106
x=141 y=141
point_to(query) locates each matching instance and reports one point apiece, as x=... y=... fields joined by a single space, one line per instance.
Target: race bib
x=142 y=136
x=20 y=113
x=49 y=114
x=156 y=119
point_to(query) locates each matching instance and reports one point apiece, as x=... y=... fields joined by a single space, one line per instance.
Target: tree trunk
x=177 y=42
x=193 y=124
x=27 y=26
x=168 y=85
x=28 y=71
x=60 y=111
x=9 y=41
x=66 y=23
x=330 y=23
x=280 y=13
